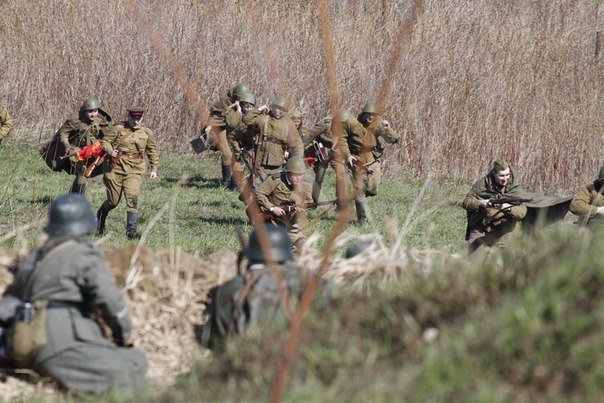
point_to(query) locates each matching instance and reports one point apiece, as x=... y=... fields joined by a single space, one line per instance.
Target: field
x=464 y=83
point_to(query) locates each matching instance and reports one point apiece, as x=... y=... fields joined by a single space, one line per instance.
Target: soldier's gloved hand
x=263 y=108
x=278 y=211
x=351 y=160
x=153 y=175
x=386 y=124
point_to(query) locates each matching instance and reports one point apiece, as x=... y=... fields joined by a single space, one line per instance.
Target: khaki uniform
x=322 y=133
x=279 y=135
x=6 y=123
x=275 y=190
x=76 y=283
x=363 y=144
x=492 y=226
x=585 y=204
x=123 y=174
x=218 y=112
x=76 y=134
x=241 y=142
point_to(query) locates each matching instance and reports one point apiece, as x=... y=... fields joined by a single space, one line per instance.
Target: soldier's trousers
x=96 y=368
x=225 y=150
x=366 y=182
x=127 y=184
x=479 y=237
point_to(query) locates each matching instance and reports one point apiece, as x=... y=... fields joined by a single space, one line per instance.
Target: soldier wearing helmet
x=87 y=127
x=68 y=276
x=240 y=138
x=322 y=141
x=281 y=198
x=126 y=145
x=255 y=297
x=365 y=156
x=298 y=118
x=218 y=126
x=280 y=138
x=6 y=123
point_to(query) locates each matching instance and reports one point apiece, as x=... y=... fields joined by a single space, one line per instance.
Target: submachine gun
x=500 y=216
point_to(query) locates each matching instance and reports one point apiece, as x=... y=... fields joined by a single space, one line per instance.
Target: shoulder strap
x=32 y=275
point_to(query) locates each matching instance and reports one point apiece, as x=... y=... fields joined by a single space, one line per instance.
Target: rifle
x=258 y=145
x=500 y=216
x=514 y=201
x=97 y=162
x=362 y=166
x=290 y=206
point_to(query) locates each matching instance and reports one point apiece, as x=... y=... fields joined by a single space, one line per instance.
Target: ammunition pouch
x=26 y=336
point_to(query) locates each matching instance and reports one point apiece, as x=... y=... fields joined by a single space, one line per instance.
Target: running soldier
x=126 y=145
x=240 y=138
x=365 y=159
x=88 y=127
x=218 y=125
x=278 y=138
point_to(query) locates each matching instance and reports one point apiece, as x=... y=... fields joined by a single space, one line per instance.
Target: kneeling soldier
x=70 y=276
x=491 y=223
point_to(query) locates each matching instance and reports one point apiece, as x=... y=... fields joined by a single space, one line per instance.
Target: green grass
x=201 y=215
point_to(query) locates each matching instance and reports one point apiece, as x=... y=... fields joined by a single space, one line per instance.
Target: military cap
x=136 y=110
x=500 y=165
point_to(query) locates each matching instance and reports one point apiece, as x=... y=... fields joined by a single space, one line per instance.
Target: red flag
x=92 y=151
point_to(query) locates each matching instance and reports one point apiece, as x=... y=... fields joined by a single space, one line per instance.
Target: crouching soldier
x=257 y=296
x=494 y=208
x=67 y=282
x=282 y=197
x=588 y=204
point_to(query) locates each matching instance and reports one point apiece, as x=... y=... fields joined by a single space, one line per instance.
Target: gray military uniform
x=75 y=282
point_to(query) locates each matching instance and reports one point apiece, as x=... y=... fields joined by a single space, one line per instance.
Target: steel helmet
x=277 y=238
x=241 y=89
x=70 y=215
x=359 y=246
x=369 y=108
x=90 y=104
x=342 y=116
x=279 y=102
x=295 y=166
x=248 y=98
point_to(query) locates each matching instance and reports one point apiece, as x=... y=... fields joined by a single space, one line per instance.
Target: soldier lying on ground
x=255 y=297
x=59 y=286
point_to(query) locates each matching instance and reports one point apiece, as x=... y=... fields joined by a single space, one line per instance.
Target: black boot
x=226 y=174
x=131 y=224
x=361 y=213
x=101 y=216
x=78 y=188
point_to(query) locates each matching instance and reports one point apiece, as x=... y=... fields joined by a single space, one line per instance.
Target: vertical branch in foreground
x=288 y=358
x=402 y=40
